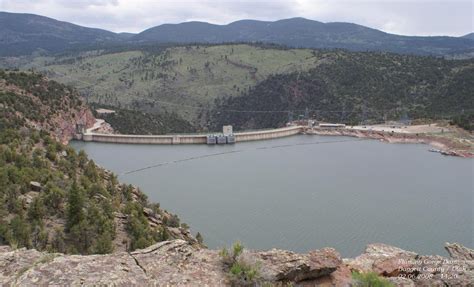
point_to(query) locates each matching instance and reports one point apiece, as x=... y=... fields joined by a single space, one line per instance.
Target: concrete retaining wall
x=145 y=139
x=187 y=139
x=267 y=134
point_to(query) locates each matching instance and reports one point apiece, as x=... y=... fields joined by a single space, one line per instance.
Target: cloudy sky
x=408 y=17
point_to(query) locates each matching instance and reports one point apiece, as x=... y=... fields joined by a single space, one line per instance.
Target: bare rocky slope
x=178 y=263
x=43 y=105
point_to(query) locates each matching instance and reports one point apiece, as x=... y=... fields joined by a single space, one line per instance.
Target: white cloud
x=422 y=17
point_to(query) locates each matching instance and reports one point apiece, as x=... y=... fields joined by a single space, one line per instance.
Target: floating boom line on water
x=179 y=160
x=233 y=151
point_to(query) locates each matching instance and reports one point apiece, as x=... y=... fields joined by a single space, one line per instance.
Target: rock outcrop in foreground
x=178 y=263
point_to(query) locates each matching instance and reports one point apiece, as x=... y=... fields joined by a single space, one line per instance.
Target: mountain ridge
x=301 y=32
x=22 y=34
x=469 y=36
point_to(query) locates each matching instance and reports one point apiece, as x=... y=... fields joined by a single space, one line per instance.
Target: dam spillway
x=189 y=138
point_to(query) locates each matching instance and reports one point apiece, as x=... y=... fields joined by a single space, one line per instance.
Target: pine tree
x=58 y=243
x=104 y=244
x=75 y=213
x=90 y=171
x=199 y=238
x=20 y=232
x=36 y=210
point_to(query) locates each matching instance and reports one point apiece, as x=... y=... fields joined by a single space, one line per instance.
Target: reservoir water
x=305 y=192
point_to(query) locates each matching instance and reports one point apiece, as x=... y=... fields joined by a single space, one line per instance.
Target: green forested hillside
x=53 y=198
x=136 y=122
x=205 y=85
x=176 y=78
x=355 y=87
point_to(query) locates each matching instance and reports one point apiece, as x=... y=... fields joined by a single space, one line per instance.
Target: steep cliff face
x=178 y=263
x=43 y=104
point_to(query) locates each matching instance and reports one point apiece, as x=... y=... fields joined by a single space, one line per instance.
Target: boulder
x=323 y=262
x=441 y=271
x=178 y=263
x=175 y=232
x=148 y=212
x=401 y=282
x=341 y=277
x=282 y=265
x=13 y=263
x=35 y=186
x=384 y=260
x=119 y=269
x=27 y=199
x=433 y=270
x=5 y=248
x=457 y=251
x=154 y=219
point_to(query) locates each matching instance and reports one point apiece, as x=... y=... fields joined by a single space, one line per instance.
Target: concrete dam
x=90 y=136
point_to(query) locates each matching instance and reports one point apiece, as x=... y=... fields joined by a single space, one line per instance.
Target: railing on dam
x=188 y=139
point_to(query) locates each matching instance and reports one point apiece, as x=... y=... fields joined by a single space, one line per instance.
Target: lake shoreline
x=444 y=145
